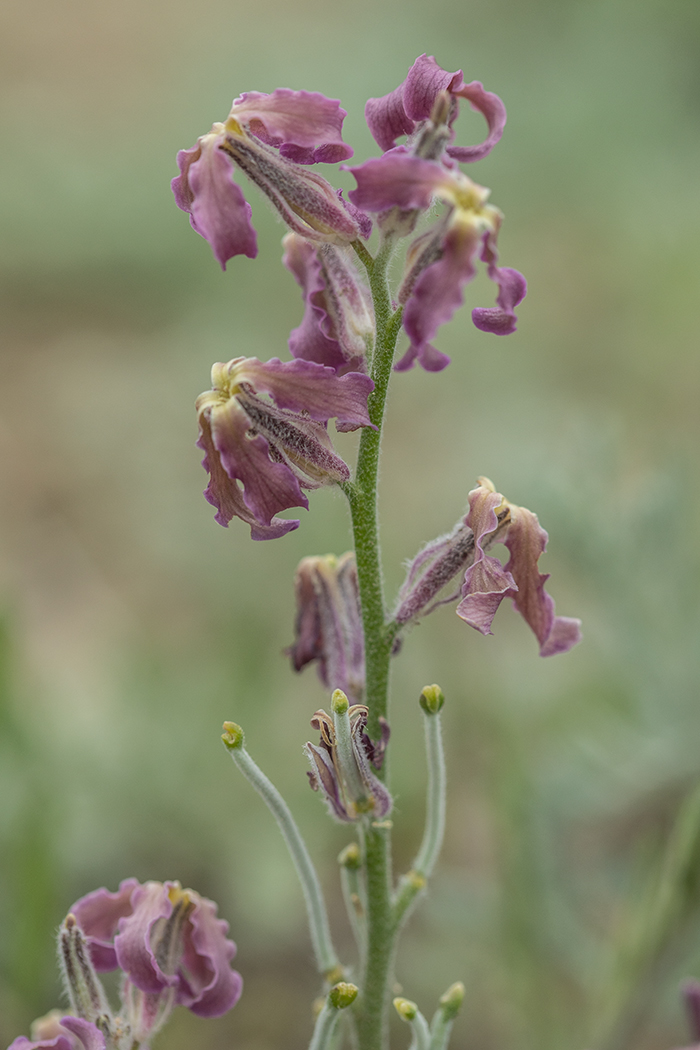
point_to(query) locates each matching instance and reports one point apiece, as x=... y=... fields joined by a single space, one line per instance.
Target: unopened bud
x=432 y=699
x=342 y=995
x=339 y=702
x=406 y=1010
x=451 y=1001
x=232 y=736
x=350 y=857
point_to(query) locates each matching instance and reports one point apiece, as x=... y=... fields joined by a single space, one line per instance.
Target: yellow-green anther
x=451 y=1001
x=350 y=857
x=342 y=995
x=432 y=699
x=232 y=736
x=339 y=702
x=405 y=1009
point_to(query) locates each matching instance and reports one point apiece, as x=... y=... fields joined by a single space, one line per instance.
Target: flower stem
x=372 y=1019
x=326 y=958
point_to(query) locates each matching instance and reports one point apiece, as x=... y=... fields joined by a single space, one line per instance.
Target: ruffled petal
x=486 y=582
x=268 y=487
x=89 y=1035
x=492 y=108
x=396 y=179
x=207 y=984
x=512 y=289
x=387 y=119
x=526 y=541
x=224 y=493
x=310 y=340
x=133 y=942
x=304 y=386
x=98 y=915
x=425 y=80
x=305 y=125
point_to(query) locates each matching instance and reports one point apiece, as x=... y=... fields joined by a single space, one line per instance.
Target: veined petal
x=217 y=207
x=267 y=487
x=305 y=125
x=208 y=986
x=89 y=1035
x=486 y=583
x=425 y=80
x=526 y=541
x=396 y=179
x=304 y=386
x=224 y=493
x=387 y=119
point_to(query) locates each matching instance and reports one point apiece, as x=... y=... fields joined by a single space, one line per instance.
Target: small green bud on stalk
x=405 y=1009
x=451 y=1001
x=432 y=699
x=232 y=736
x=350 y=857
x=339 y=702
x=342 y=995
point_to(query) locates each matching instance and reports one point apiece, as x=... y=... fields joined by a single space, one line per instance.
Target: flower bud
x=232 y=736
x=451 y=1001
x=432 y=699
x=350 y=857
x=342 y=995
x=406 y=1010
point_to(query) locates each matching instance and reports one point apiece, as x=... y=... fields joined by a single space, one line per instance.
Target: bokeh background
x=133 y=625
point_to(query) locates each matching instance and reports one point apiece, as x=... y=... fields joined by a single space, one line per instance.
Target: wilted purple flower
x=338 y=323
x=56 y=1032
x=274 y=446
x=487 y=582
x=270 y=138
x=344 y=774
x=441 y=261
x=329 y=622
x=403 y=110
x=168 y=941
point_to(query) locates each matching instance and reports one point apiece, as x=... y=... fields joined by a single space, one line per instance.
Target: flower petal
x=396 y=179
x=224 y=493
x=492 y=108
x=387 y=119
x=88 y=1034
x=486 y=582
x=305 y=125
x=208 y=986
x=310 y=340
x=133 y=942
x=526 y=541
x=512 y=289
x=425 y=80
x=268 y=487
x=98 y=915
x=304 y=386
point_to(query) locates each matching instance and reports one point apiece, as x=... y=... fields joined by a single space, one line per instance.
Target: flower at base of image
x=277 y=445
x=172 y=950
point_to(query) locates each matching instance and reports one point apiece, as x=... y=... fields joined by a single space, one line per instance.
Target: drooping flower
x=56 y=1032
x=487 y=582
x=338 y=322
x=329 y=623
x=341 y=763
x=168 y=941
x=441 y=261
x=491 y=519
x=274 y=447
x=403 y=110
x=271 y=138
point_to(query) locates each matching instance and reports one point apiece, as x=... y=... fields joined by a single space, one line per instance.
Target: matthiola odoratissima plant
x=263 y=428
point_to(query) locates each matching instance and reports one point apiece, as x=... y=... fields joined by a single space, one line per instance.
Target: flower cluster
x=491 y=519
x=172 y=950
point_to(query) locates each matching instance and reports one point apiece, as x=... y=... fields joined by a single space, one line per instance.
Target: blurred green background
x=133 y=625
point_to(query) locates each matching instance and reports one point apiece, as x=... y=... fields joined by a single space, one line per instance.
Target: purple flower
x=270 y=138
x=168 y=941
x=403 y=110
x=55 y=1032
x=487 y=582
x=338 y=323
x=441 y=261
x=274 y=447
x=350 y=788
x=329 y=623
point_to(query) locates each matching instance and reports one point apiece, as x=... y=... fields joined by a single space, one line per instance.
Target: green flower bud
x=232 y=736
x=350 y=857
x=405 y=1009
x=432 y=699
x=342 y=995
x=451 y=1001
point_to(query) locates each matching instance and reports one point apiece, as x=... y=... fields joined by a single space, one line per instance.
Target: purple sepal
x=216 y=205
x=305 y=126
x=98 y=914
x=512 y=289
x=364 y=222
